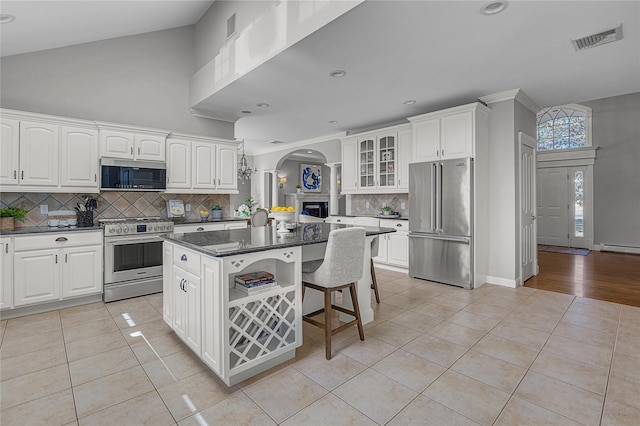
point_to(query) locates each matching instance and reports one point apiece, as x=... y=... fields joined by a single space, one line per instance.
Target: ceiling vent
x=598 y=39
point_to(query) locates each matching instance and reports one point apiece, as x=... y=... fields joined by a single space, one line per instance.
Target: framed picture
x=311 y=177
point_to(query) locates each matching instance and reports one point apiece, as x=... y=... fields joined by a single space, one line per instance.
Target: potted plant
x=216 y=211
x=298 y=188
x=250 y=202
x=9 y=215
x=386 y=210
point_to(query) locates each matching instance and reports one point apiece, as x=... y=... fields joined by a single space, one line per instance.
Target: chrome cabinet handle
x=15 y=174
x=66 y=259
x=61 y=239
x=22 y=175
x=183 y=258
x=138 y=150
x=6 y=248
x=398 y=224
x=200 y=228
x=131 y=150
x=56 y=258
x=95 y=177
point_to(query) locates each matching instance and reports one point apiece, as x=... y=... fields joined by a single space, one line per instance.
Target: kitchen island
x=239 y=334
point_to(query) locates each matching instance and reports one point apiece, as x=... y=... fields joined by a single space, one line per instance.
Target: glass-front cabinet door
x=367 y=163
x=387 y=161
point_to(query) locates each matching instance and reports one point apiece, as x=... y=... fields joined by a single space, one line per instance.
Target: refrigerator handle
x=440 y=171
x=434 y=192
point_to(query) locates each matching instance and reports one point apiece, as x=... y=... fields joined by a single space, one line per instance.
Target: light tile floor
x=434 y=355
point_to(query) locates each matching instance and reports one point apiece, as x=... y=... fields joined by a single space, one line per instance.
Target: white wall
x=331 y=149
x=616 y=181
x=140 y=80
x=502 y=201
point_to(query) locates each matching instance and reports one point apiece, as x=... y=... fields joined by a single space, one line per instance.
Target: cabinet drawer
x=398 y=225
x=186 y=259
x=198 y=227
x=57 y=240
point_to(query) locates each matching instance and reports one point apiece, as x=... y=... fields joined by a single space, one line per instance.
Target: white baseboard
x=617 y=248
x=505 y=282
x=391 y=267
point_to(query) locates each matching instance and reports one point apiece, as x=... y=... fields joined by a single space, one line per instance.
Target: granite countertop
x=45 y=229
x=181 y=221
x=373 y=215
x=251 y=240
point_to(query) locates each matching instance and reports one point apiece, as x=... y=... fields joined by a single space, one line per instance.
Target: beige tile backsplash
x=377 y=201
x=112 y=204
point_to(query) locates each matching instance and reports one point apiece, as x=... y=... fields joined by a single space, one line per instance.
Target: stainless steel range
x=133 y=256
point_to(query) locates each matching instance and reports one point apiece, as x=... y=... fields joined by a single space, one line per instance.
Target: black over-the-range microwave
x=127 y=175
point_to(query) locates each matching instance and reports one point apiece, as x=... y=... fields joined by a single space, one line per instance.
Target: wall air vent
x=598 y=39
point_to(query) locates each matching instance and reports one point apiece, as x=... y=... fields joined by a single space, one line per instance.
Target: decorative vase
x=7 y=224
x=216 y=214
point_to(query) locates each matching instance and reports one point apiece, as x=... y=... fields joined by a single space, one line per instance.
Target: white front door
x=528 y=237
x=565 y=206
x=553 y=206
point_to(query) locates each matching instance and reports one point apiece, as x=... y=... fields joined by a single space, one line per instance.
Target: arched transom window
x=564 y=127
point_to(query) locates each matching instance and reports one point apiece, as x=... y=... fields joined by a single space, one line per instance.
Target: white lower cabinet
x=56 y=266
x=393 y=249
x=236 y=334
x=6 y=273
x=186 y=307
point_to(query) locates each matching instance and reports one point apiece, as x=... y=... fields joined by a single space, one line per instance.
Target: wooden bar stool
x=374 y=280
x=341 y=268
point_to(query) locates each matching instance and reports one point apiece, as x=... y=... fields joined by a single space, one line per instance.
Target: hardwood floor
x=614 y=277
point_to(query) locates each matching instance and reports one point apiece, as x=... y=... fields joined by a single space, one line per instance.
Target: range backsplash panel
x=111 y=204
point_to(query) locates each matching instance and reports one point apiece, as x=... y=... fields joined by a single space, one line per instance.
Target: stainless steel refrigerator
x=441 y=221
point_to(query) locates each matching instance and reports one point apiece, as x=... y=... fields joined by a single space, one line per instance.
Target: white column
x=333 y=194
x=275 y=187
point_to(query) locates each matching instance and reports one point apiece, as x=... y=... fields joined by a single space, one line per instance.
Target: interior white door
x=528 y=235
x=553 y=206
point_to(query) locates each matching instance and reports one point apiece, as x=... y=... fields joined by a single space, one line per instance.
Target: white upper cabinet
x=9 y=148
x=197 y=165
x=178 y=164
x=447 y=134
x=203 y=160
x=404 y=157
x=373 y=162
x=78 y=157
x=349 y=165
x=48 y=154
x=38 y=154
x=132 y=145
x=149 y=147
x=227 y=171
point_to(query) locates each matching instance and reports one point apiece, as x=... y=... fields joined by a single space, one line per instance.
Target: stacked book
x=254 y=282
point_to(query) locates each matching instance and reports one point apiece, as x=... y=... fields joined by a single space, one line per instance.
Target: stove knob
x=119 y=229
x=111 y=230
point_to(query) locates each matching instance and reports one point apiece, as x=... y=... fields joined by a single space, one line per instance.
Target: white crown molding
x=289 y=146
x=46 y=118
x=515 y=94
x=204 y=114
x=101 y=125
x=201 y=138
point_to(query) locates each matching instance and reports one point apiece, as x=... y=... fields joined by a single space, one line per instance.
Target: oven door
x=132 y=257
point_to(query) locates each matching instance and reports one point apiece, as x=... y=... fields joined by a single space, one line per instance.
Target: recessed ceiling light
x=246 y=112
x=309 y=152
x=333 y=122
x=276 y=142
x=493 y=7
x=263 y=105
x=5 y=18
x=338 y=73
x=409 y=102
